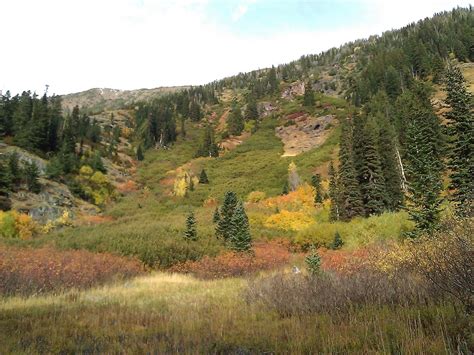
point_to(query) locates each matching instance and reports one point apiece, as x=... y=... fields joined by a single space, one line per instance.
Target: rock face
x=50 y=204
x=24 y=156
x=54 y=198
x=296 y=89
x=266 y=108
x=303 y=133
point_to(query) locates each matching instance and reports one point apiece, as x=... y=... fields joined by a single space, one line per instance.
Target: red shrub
x=30 y=271
x=265 y=256
x=344 y=261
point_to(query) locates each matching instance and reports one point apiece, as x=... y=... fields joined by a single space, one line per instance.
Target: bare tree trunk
x=402 y=171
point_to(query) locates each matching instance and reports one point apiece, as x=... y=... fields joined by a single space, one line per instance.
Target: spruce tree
x=308 y=99
x=313 y=262
x=14 y=168
x=190 y=234
x=216 y=217
x=203 y=177
x=240 y=238
x=285 y=189
x=461 y=128
x=31 y=172
x=182 y=127
x=195 y=112
x=235 y=122
x=223 y=228
x=389 y=164
x=334 y=214
x=368 y=167
x=272 y=80
x=208 y=147
x=424 y=165
x=351 y=204
x=140 y=155
x=316 y=182
x=251 y=111
x=337 y=243
x=5 y=185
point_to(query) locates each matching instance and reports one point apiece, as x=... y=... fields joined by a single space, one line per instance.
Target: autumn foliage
x=265 y=256
x=33 y=271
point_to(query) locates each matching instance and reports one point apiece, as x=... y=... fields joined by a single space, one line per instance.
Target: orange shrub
x=344 y=261
x=266 y=256
x=32 y=271
x=128 y=186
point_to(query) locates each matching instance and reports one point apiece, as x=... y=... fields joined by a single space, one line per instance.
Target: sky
x=75 y=45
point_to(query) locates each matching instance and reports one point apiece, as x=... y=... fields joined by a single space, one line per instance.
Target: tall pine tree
x=461 y=128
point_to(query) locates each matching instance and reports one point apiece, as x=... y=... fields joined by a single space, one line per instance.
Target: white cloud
x=126 y=44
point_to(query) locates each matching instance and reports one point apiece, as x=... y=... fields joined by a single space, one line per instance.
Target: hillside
x=320 y=206
x=100 y=99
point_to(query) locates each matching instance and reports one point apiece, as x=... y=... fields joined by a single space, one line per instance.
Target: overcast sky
x=74 y=45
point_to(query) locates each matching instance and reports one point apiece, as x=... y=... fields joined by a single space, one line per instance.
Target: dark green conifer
x=368 y=166
x=216 y=217
x=203 y=177
x=351 y=204
x=308 y=99
x=140 y=155
x=337 y=243
x=461 y=128
x=223 y=228
x=334 y=193
x=424 y=165
x=235 y=122
x=316 y=182
x=190 y=234
x=390 y=166
x=240 y=238
x=31 y=172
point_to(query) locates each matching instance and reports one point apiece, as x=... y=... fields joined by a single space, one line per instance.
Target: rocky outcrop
x=303 y=133
x=266 y=108
x=296 y=89
x=50 y=204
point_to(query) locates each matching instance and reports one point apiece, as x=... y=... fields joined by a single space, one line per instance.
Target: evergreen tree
x=313 y=262
x=216 y=217
x=14 y=168
x=337 y=243
x=235 y=122
x=424 y=165
x=190 y=234
x=96 y=163
x=208 y=147
x=203 y=177
x=308 y=99
x=32 y=176
x=183 y=128
x=351 y=204
x=316 y=182
x=285 y=189
x=368 y=167
x=272 y=80
x=461 y=129
x=334 y=193
x=240 y=238
x=223 y=228
x=140 y=155
x=389 y=165
x=251 y=111
x=5 y=184
x=195 y=112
